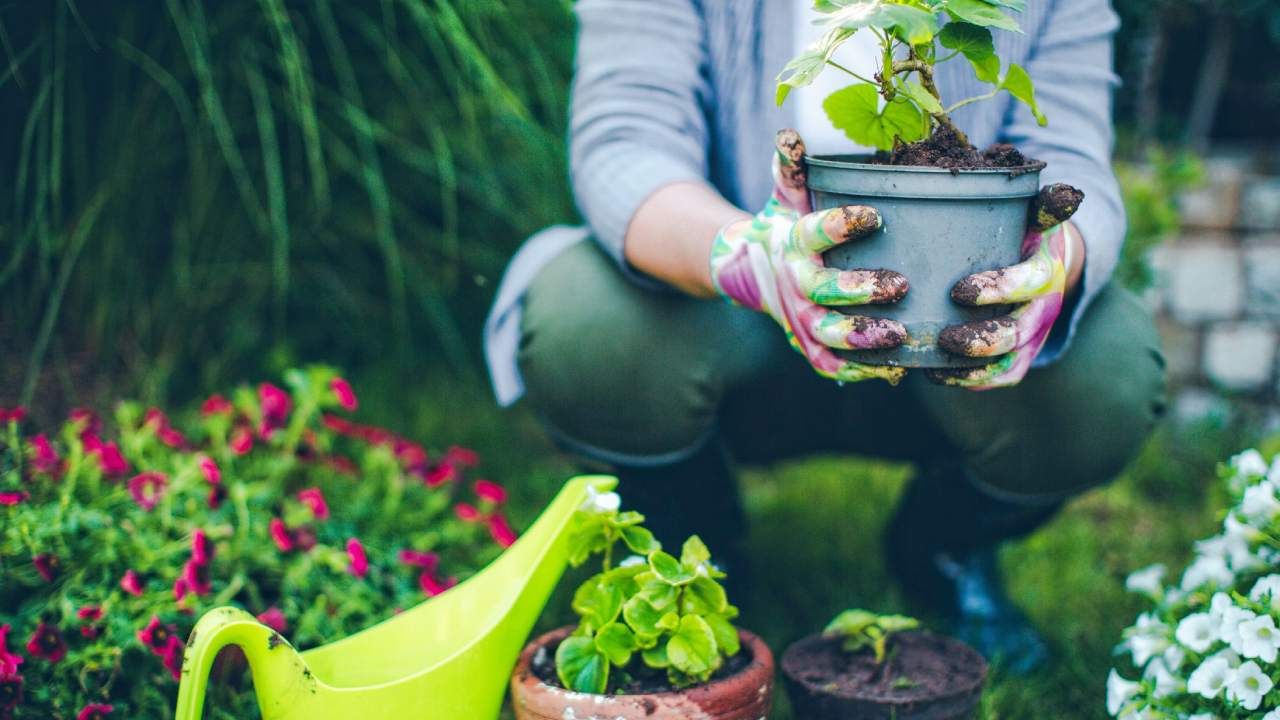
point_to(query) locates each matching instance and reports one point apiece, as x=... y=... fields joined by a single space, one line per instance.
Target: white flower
x=1267 y=590
x=1197 y=631
x=1228 y=656
x=1248 y=685
x=601 y=502
x=1203 y=716
x=1259 y=639
x=1166 y=682
x=1147 y=638
x=1173 y=657
x=1260 y=505
x=1241 y=531
x=1147 y=580
x=1232 y=620
x=1207 y=570
x=1119 y=692
x=1249 y=463
x=1210 y=678
x=1273 y=715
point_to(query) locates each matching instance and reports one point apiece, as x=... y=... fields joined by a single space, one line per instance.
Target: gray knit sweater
x=674 y=90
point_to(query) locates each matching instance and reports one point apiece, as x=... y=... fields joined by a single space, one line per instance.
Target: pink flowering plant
x=1208 y=647
x=112 y=544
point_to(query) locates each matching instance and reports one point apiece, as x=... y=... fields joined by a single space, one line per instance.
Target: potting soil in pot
x=946 y=149
x=920 y=667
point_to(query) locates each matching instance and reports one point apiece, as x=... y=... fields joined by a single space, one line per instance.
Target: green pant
x=632 y=376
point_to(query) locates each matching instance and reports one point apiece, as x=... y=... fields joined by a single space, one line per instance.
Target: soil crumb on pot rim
x=922 y=667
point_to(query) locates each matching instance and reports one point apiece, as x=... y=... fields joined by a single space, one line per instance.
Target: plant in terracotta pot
x=949 y=210
x=655 y=637
x=865 y=666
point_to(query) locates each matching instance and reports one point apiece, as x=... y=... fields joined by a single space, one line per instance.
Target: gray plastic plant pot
x=939 y=226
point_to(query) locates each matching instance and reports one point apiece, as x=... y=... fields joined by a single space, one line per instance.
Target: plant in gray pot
x=866 y=666
x=949 y=209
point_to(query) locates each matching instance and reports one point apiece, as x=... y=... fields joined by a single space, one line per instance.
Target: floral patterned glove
x=773 y=264
x=1038 y=282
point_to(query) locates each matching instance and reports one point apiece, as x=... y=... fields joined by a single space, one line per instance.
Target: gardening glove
x=1038 y=283
x=773 y=264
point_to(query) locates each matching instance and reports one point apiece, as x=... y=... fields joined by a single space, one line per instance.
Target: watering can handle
x=275 y=665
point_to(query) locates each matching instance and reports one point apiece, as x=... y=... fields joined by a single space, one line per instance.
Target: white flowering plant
x=1208 y=648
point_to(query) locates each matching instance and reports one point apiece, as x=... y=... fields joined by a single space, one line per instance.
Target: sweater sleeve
x=1071 y=65
x=637 y=117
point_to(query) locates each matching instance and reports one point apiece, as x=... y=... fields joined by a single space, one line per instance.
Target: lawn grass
x=816 y=525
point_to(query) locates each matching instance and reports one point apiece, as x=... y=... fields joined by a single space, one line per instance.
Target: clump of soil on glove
x=947 y=149
x=645 y=680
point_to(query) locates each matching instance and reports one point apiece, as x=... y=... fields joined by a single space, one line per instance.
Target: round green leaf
x=981 y=13
x=669 y=569
x=692 y=649
x=725 y=633
x=581 y=666
x=704 y=596
x=617 y=642
x=1019 y=84
x=640 y=540
x=643 y=618
x=856 y=111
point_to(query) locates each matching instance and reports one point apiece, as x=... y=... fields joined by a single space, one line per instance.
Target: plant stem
x=970 y=101
x=838 y=66
x=914 y=64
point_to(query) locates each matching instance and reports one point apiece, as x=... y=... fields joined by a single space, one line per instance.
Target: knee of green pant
x=605 y=374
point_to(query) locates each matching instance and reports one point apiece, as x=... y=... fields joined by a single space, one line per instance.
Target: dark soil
x=946 y=149
x=643 y=681
x=920 y=667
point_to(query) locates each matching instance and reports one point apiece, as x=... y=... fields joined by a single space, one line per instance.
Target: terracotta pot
x=747 y=695
x=819 y=695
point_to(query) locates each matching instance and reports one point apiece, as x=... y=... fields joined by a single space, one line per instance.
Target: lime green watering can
x=449 y=658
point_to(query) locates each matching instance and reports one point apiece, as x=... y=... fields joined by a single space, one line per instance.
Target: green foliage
x=862 y=629
x=270 y=501
x=654 y=614
x=1150 y=191
x=188 y=183
x=892 y=107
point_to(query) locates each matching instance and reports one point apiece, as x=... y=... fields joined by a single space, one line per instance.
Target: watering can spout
x=279 y=674
x=452 y=653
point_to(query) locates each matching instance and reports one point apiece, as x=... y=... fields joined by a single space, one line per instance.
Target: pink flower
x=194 y=578
x=216 y=405
x=217 y=494
x=9 y=661
x=111 y=460
x=501 y=530
x=201 y=548
x=16 y=415
x=346 y=396
x=155 y=419
x=490 y=491
x=48 y=565
x=172 y=437
x=314 y=499
x=85 y=421
x=432 y=586
x=171 y=658
x=280 y=535
x=426 y=560
x=439 y=474
x=209 y=469
x=94 y=711
x=359 y=561
x=164 y=430
x=45 y=458
x=147 y=488
x=466 y=512
x=47 y=642
x=273 y=618
x=342 y=464
x=131 y=583
x=241 y=440
x=90 y=615
x=462 y=457
x=156 y=636
x=9 y=499
x=275 y=404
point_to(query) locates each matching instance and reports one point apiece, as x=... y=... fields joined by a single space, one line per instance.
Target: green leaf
x=921 y=97
x=805 y=67
x=628 y=518
x=656 y=657
x=981 y=13
x=640 y=540
x=598 y=601
x=694 y=552
x=643 y=618
x=669 y=569
x=977 y=46
x=725 y=633
x=692 y=649
x=1014 y=5
x=704 y=596
x=587 y=537
x=850 y=623
x=856 y=111
x=617 y=642
x=913 y=25
x=1019 y=84
x=658 y=593
x=669 y=621
x=581 y=666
